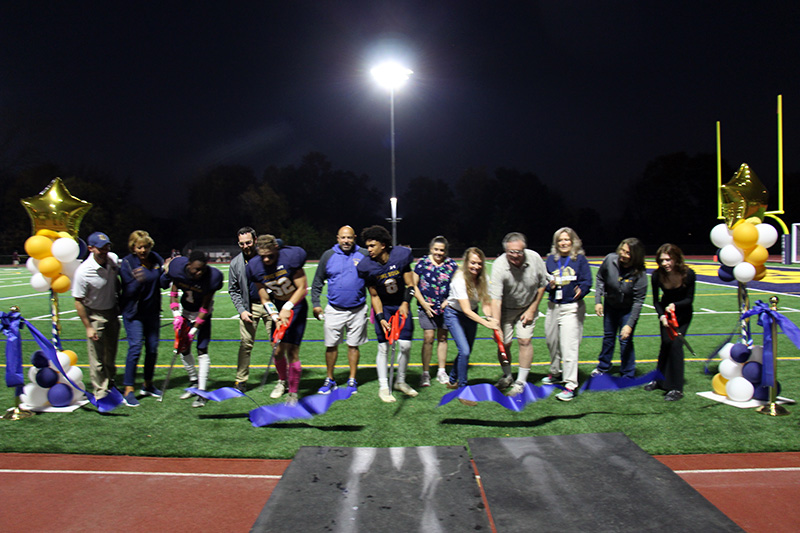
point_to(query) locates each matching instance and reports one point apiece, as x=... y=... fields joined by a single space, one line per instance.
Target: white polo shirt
x=96 y=284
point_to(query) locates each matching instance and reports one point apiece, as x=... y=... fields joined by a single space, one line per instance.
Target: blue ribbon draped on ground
x=766 y=317
x=485 y=392
x=307 y=407
x=11 y=322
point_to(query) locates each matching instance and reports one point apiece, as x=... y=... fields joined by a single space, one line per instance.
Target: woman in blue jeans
x=141 y=312
x=620 y=290
x=468 y=288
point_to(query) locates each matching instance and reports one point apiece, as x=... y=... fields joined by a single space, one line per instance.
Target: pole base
x=773 y=409
x=15 y=413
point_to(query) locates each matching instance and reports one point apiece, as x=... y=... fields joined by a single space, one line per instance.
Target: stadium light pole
x=392 y=76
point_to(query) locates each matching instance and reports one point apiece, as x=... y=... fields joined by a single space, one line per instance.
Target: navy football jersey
x=279 y=277
x=194 y=291
x=388 y=279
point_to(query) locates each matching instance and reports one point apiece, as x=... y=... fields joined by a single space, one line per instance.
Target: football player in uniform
x=282 y=287
x=387 y=273
x=198 y=282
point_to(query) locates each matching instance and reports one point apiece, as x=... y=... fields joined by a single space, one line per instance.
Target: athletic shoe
x=241 y=386
x=597 y=372
x=291 y=399
x=442 y=377
x=450 y=385
x=651 y=386
x=403 y=387
x=386 y=395
x=186 y=394
x=504 y=382
x=130 y=400
x=425 y=380
x=470 y=403
x=199 y=402
x=150 y=391
x=327 y=386
x=352 y=384
x=279 y=390
x=517 y=388
x=551 y=380
x=565 y=395
x=673 y=396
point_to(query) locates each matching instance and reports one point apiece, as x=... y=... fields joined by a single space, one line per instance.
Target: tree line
x=673 y=200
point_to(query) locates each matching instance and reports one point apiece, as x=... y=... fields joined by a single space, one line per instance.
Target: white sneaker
x=517 y=388
x=291 y=400
x=186 y=394
x=386 y=395
x=425 y=380
x=199 y=402
x=596 y=372
x=279 y=390
x=405 y=388
x=504 y=382
x=442 y=377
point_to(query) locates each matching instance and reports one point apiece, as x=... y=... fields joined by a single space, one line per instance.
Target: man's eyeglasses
x=243 y=244
x=515 y=252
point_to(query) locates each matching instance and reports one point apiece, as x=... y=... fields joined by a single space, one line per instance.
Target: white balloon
x=767 y=235
x=730 y=255
x=756 y=354
x=40 y=283
x=64 y=360
x=37 y=396
x=721 y=236
x=68 y=269
x=725 y=351
x=744 y=272
x=65 y=249
x=32 y=264
x=76 y=375
x=739 y=389
x=32 y=374
x=730 y=369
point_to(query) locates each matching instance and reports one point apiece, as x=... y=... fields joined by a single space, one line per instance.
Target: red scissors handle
x=280 y=331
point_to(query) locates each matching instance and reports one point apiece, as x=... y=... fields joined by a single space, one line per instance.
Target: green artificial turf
x=174 y=428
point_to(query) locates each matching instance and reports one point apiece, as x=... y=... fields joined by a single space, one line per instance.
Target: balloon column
x=739 y=376
x=48 y=387
x=54 y=257
x=743 y=239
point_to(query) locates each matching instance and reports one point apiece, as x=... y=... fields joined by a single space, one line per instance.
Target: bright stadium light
x=392 y=76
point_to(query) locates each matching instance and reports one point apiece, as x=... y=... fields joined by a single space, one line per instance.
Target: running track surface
x=65 y=493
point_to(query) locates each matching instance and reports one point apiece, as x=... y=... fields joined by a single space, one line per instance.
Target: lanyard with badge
x=561 y=279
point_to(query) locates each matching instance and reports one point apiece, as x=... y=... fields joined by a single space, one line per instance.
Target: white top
x=458 y=291
x=95 y=284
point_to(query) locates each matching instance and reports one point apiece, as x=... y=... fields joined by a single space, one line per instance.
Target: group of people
x=267 y=283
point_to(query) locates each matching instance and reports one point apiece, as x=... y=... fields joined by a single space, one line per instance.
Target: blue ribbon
x=11 y=322
x=766 y=317
x=14 y=375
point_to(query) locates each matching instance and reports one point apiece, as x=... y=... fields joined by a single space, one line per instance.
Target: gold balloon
x=743 y=197
x=56 y=209
x=718 y=384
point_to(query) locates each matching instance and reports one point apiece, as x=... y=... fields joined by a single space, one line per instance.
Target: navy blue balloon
x=751 y=371
x=46 y=377
x=725 y=273
x=83 y=250
x=60 y=395
x=740 y=353
x=39 y=359
x=762 y=392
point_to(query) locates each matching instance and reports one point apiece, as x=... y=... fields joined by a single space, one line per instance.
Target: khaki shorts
x=510 y=322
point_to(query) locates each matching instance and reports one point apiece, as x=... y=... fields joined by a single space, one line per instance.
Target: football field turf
x=173 y=428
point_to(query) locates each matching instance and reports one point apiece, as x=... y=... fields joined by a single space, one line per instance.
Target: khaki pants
x=103 y=352
x=247 y=333
x=563 y=329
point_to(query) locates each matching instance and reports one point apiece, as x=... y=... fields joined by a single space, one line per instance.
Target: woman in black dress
x=673 y=290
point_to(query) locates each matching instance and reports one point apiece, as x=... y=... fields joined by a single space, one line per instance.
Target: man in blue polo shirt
x=347 y=304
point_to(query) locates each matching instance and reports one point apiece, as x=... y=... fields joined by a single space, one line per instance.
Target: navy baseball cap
x=98 y=239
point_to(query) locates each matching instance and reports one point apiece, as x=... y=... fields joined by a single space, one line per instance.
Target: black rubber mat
x=374 y=490
x=594 y=482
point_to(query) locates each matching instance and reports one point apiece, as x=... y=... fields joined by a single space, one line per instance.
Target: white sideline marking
x=707 y=310
x=124 y=473
x=739 y=470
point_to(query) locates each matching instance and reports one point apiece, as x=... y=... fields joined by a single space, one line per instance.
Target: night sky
x=581 y=93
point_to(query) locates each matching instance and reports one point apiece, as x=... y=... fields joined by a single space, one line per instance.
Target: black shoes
x=673 y=396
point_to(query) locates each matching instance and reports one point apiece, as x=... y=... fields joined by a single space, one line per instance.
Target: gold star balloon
x=55 y=209
x=743 y=197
